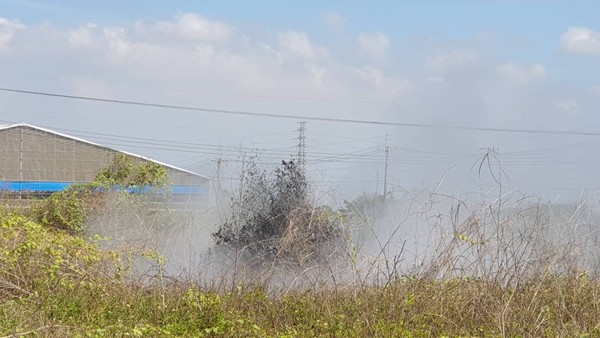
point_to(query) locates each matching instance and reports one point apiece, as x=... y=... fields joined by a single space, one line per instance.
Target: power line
x=364 y=156
x=298 y=117
x=204 y=92
x=325 y=156
x=361 y=156
x=150 y=143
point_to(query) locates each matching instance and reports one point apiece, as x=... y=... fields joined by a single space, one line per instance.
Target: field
x=505 y=265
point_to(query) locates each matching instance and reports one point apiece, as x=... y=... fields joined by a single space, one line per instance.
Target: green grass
x=54 y=284
x=412 y=308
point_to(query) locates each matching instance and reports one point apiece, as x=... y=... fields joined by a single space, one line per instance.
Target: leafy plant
x=65 y=210
x=124 y=172
x=35 y=256
x=69 y=209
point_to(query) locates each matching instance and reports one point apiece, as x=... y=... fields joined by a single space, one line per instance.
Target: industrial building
x=35 y=162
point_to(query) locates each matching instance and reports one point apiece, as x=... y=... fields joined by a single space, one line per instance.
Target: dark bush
x=272 y=216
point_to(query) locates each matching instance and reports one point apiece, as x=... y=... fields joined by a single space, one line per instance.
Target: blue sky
x=536 y=20
x=536 y=24
x=493 y=64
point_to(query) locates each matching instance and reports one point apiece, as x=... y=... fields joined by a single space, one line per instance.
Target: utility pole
x=302 y=147
x=217 y=185
x=385 y=173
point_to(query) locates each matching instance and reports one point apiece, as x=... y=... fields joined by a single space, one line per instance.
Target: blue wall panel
x=48 y=187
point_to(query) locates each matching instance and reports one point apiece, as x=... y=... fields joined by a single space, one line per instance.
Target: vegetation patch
x=499 y=272
x=69 y=209
x=273 y=218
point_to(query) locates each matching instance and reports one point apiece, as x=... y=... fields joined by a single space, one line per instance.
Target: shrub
x=36 y=257
x=272 y=216
x=125 y=173
x=69 y=209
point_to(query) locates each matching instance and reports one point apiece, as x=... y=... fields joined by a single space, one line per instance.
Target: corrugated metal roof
x=4 y=127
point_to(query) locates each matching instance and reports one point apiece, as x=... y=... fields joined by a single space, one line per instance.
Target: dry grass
x=506 y=265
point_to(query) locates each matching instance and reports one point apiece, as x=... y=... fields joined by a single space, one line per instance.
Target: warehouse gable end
x=36 y=161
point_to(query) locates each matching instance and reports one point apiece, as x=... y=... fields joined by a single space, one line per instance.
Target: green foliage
x=54 y=284
x=126 y=173
x=150 y=174
x=64 y=210
x=69 y=209
x=34 y=256
x=117 y=172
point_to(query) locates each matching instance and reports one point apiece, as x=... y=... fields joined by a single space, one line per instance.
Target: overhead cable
x=298 y=117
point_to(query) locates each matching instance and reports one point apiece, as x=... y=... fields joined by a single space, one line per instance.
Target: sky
x=452 y=79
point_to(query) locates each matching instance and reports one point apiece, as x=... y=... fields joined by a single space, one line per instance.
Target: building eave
x=74 y=138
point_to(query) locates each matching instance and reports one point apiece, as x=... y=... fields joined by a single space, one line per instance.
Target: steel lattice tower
x=302 y=146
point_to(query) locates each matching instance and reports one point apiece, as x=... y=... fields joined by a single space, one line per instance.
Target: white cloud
x=190 y=60
x=567 y=105
x=7 y=31
x=578 y=40
x=193 y=27
x=537 y=70
x=87 y=87
x=519 y=74
x=185 y=27
x=297 y=44
x=375 y=45
x=434 y=79
x=83 y=36
x=116 y=39
x=161 y=52
x=371 y=74
x=318 y=74
x=335 y=20
x=459 y=58
x=388 y=87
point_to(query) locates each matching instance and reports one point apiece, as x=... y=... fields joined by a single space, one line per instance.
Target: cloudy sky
x=452 y=78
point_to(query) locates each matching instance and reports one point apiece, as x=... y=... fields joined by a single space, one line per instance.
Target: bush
x=272 y=217
x=69 y=209
x=125 y=173
x=36 y=257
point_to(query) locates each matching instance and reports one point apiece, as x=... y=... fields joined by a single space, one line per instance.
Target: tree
x=125 y=173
